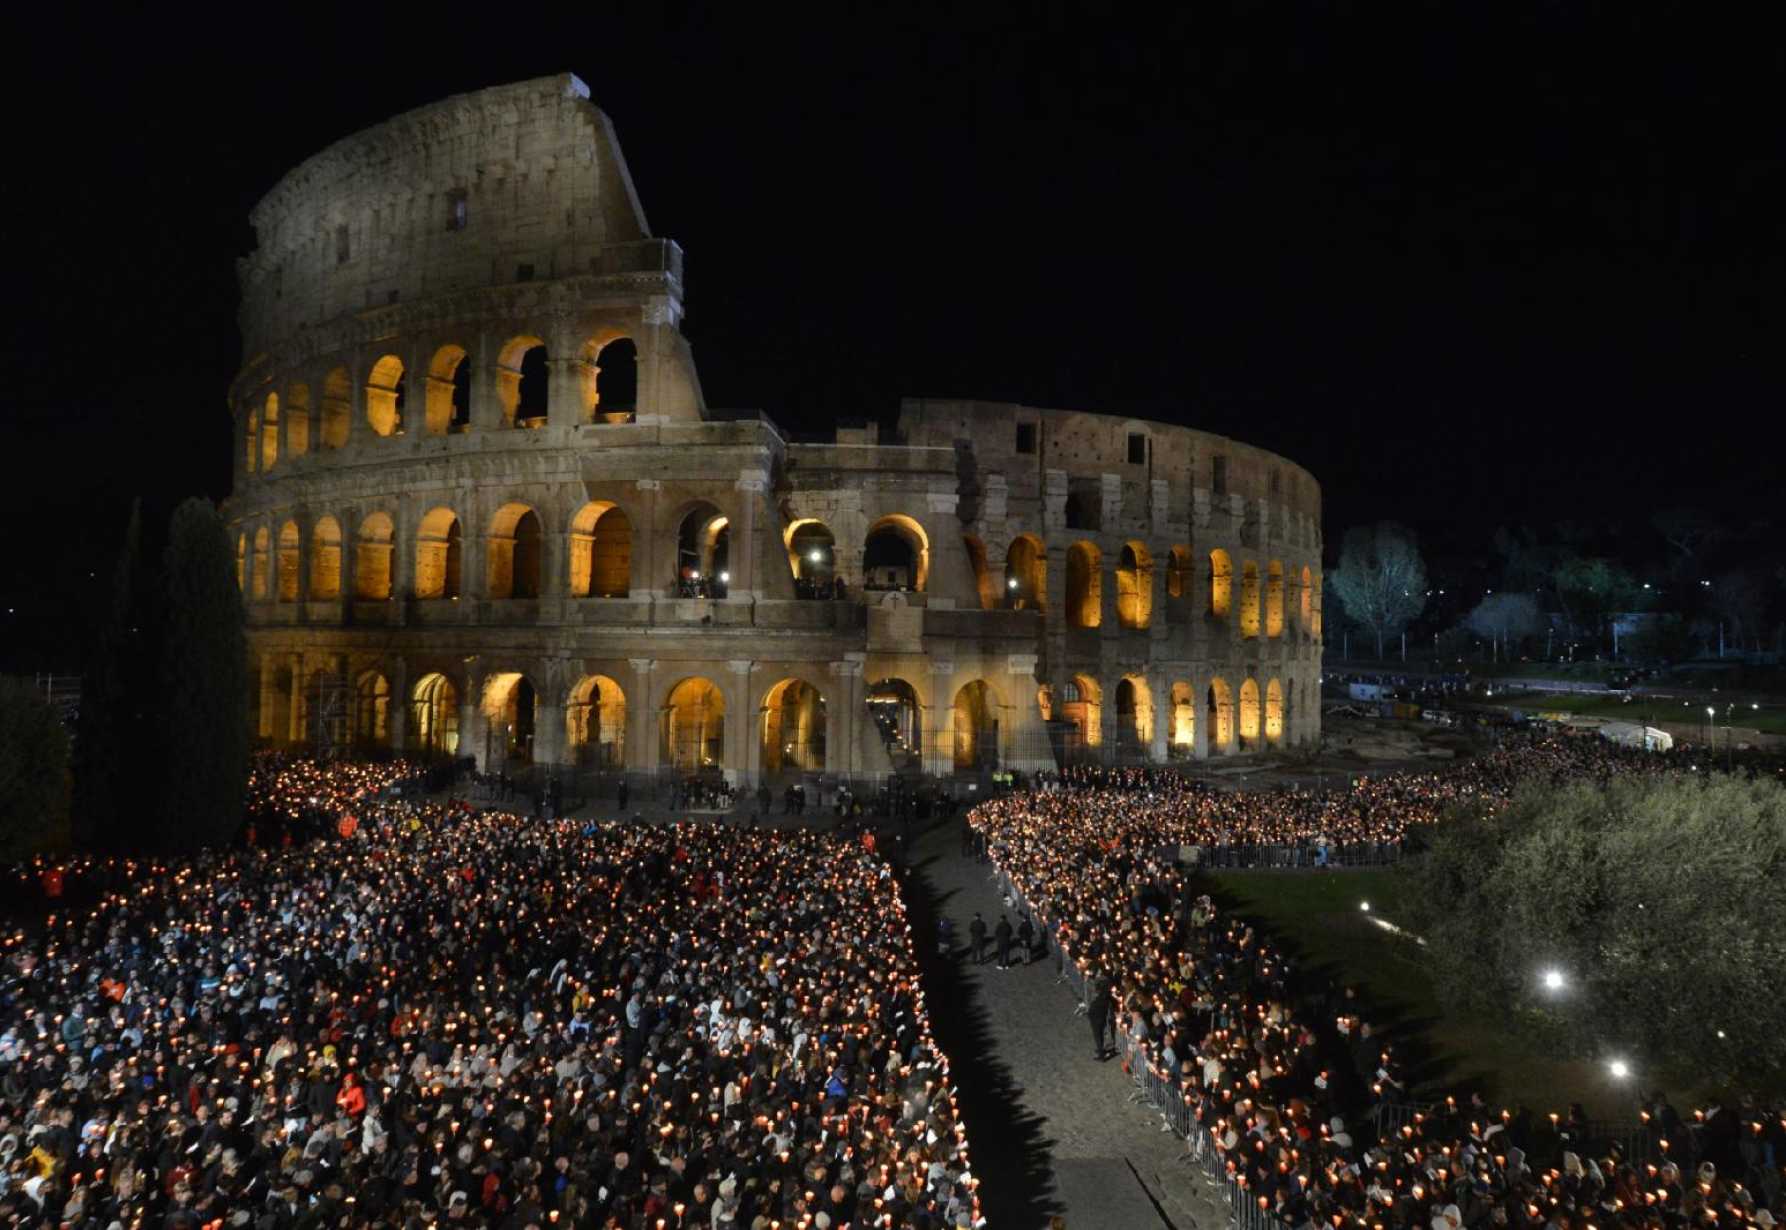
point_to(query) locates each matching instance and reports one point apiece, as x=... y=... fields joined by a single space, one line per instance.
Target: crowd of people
x=1282 y=1075
x=440 y=1016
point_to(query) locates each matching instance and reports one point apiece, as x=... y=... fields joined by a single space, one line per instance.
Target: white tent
x=1633 y=734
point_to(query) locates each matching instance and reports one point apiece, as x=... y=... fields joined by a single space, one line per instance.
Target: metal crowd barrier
x=1156 y=1088
x=1247 y=856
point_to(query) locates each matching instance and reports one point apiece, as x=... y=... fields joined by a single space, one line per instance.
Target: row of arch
x=606 y=384
x=790 y=723
x=1254 y=714
x=1262 y=603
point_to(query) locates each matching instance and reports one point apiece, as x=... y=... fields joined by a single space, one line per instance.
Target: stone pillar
x=295 y=711
x=269 y=685
x=1108 y=624
x=1160 y=625
x=939 y=725
x=472 y=724
x=1201 y=722
x=486 y=406
x=564 y=389
x=743 y=753
x=743 y=553
x=654 y=549
x=641 y=719
x=396 y=722
x=1159 y=692
x=843 y=712
x=1024 y=736
x=474 y=528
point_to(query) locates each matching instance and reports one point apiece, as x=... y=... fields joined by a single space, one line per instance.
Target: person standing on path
x=1003 y=935
x=1026 y=937
x=976 y=932
x=1097 y=1011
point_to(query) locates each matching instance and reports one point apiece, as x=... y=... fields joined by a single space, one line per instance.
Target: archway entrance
x=896 y=555
x=693 y=727
x=894 y=709
x=435 y=720
x=1221 y=715
x=812 y=554
x=1184 y=722
x=976 y=728
x=703 y=548
x=595 y=723
x=1134 y=718
x=1082 y=708
x=1026 y=574
x=793 y=734
x=371 y=710
x=508 y=709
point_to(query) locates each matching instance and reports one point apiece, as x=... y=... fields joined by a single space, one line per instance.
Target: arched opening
x=269 y=432
x=983 y=582
x=297 y=419
x=893 y=707
x=1249 y=600
x=251 y=441
x=1178 y=572
x=325 y=560
x=1274 y=599
x=611 y=381
x=521 y=382
x=1184 y=721
x=595 y=723
x=337 y=408
x=438 y=550
x=1085 y=586
x=508 y=710
x=1221 y=715
x=1317 y=610
x=434 y=725
x=896 y=555
x=693 y=727
x=1274 y=712
x=1221 y=584
x=703 y=553
x=449 y=391
x=601 y=555
x=975 y=715
x=1134 y=587
x=371 y=710
x=1026 y=574
x=1134 y=715
x=1082 y=706
x=1305 y=596
x=1249 y=710
x=793 y=737
x=262 y=554
x=372 y=558
x=288 y=562
x=242 y=563
x=512 y=563
x=1084 y=510
x=384 y=396
x=812 y=554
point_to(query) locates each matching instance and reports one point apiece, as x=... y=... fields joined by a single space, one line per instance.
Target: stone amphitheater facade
x=482 y=508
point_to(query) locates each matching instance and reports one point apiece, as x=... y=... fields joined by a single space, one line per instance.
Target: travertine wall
x=383 y=491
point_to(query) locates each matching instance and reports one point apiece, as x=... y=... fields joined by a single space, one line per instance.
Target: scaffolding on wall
x=331 y=724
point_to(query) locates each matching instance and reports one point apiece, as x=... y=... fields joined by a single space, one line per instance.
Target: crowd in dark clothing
x=436 y=1017
x=1284 y=1076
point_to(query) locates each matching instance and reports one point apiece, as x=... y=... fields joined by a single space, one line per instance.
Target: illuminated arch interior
x=595 y=723
x=521 y=382
x=1026 y=574
x=1134 y=587
x=976 y=723
x=449 y=391
x=896 y=554
x=1249 y=709
x=372 y=558
x=693 y=726
x=325 y=560
x=289 y=553
x=385 y=390
x=793 y=728
x=601 y=552
x=1221 y=584
x=438 y=553
x=434 y=723
x=1085 y=586
x=337 y=408
x=1221 y=714
x=509 y=711
x=512 y=553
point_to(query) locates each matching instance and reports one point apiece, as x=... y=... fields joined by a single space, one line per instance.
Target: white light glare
x=1619 y=1069
x=815 y=555
x=1365 y=906
x=1553 y=980
x=725 y=578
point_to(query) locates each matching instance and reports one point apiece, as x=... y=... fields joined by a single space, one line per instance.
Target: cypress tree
x=203 y=688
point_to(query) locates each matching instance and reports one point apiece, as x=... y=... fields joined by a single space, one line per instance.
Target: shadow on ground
x=1010 y=1154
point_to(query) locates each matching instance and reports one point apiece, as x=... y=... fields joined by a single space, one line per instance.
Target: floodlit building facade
x=482 y=508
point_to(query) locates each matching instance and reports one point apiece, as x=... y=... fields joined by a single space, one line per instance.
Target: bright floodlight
x=1619 y=1069
x=815 y=555
x=725 y=578
x=1553 y=980
x=1010 y=582
x=1365 y=906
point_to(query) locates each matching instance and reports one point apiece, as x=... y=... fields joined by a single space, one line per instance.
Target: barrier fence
x=1636 y=1143
x=1155 y=1087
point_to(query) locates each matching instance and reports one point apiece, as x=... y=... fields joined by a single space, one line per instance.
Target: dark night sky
x=1472 y=264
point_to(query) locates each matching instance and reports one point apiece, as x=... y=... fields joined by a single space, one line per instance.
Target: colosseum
x=482 y=508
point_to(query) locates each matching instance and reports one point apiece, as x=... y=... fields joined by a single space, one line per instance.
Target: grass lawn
x=1650 y=709
x=1318 y=917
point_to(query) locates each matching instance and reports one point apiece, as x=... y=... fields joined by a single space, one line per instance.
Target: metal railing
x=1154 y=1087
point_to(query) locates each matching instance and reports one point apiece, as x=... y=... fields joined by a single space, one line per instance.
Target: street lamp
x=1554 y=980
x=1619 y=1069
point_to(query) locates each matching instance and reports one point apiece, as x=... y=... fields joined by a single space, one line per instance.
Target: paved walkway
x=1052 y=1130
